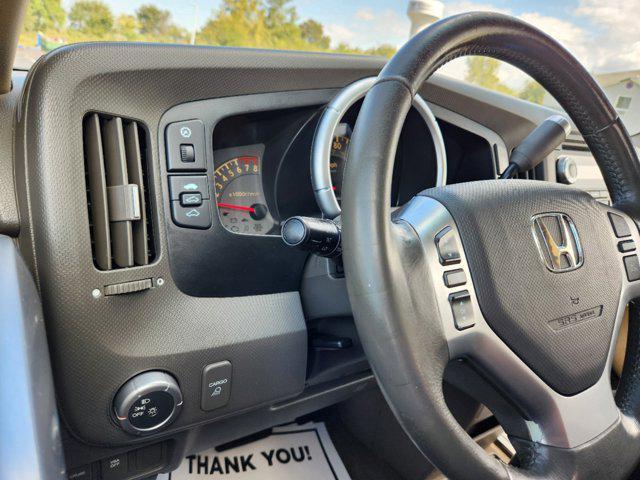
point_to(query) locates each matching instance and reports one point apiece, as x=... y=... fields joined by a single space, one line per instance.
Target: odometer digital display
x=239 y=194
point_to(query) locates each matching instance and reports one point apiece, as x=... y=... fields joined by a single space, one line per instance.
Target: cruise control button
x=216 y=385
x=191 y=216
x=190 y=199
x=620 y=225
x=455 y=278
x=632 y=267
x=179 y=184
x=447 y=246
x=462 y=310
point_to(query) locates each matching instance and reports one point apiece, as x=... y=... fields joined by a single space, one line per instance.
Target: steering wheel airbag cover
x=524 y=302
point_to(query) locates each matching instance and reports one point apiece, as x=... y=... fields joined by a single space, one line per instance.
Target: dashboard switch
x=185 y=146
x=147 y=403
x=462 y=310
x=216 y=385
x=317 y=235
x=191 y=216
x=80 y=473
x=190 y=199
x=187 y=154
x=447 y=245
x=179 y=184
x=114 y=468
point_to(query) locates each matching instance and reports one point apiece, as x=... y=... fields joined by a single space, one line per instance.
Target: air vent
x=575 y=143
x=119 y=214
x=536 y=173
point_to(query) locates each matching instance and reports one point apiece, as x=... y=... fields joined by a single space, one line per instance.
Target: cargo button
x=447 y=246
x=462 y=310
x=216 y=385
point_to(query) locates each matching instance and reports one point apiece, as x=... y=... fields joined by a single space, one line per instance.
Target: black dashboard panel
x=99 y=341
x=215 y=262
x=259 y=158
x=161 y=328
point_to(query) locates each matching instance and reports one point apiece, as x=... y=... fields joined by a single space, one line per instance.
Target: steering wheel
x=325 y=131
x=523 y=282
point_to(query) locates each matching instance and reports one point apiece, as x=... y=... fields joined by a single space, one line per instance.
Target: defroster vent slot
x=119 y=210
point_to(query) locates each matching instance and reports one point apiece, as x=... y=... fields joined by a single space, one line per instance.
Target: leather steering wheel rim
x=384 y=262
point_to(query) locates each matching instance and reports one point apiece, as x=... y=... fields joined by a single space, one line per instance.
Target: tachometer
x=339 y=154
x=239 y=195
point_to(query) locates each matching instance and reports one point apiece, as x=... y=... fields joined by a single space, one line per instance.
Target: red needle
x=237 y=207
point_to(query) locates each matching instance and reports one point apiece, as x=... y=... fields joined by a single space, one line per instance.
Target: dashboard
x=192 y=279
x=255 y=172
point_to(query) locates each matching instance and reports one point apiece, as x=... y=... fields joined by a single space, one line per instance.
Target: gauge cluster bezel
x=205 y=262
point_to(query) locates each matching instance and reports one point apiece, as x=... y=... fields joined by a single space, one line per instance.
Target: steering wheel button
x=620 y=225
x=447 y=245
x=455 y=278
x=626 y=246
x=462 y=310
x=632 y=267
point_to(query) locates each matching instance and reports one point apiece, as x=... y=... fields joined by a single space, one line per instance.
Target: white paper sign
x=292 y=452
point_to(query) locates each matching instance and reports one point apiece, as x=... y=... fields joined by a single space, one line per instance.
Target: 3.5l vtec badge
x=558 y=242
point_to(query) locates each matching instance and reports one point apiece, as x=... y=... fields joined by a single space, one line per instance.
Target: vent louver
x=115 y=160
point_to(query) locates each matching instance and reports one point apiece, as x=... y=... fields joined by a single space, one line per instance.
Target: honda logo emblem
x=557 y=240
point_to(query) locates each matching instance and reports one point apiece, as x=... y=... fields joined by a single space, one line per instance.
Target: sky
x=602 y=34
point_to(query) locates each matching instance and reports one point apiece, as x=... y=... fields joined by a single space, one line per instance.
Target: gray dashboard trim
x=263 y=336
x=9 y=219
x=30 y=445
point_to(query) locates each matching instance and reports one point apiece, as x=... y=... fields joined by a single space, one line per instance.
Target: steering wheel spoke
x=552 y=418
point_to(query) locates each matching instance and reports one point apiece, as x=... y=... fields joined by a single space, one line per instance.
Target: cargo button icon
x=216 y=385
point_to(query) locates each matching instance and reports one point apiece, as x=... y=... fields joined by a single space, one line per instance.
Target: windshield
x=599 y=34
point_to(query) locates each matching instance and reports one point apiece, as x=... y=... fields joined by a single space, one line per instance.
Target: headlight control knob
x=147 y=403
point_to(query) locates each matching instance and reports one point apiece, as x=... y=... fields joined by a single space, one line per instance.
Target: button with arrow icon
x=191 y=215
